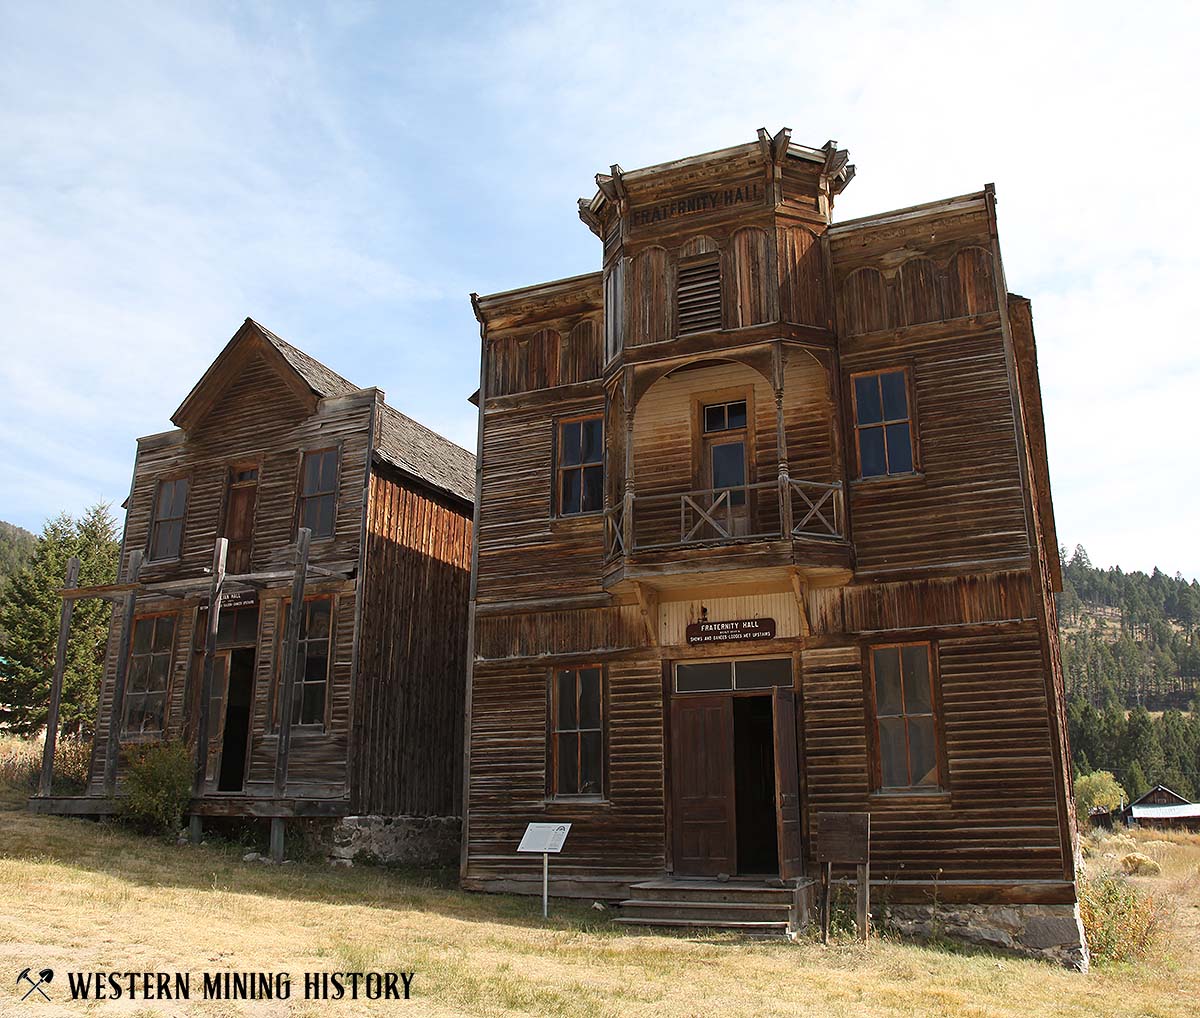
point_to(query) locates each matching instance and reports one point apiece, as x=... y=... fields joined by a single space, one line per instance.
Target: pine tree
x=29 y=617
x=1135 y=781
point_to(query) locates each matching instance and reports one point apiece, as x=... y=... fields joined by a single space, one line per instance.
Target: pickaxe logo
x=45 y=976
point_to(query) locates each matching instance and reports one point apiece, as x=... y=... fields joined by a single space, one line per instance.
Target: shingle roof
x=425 y=454
x=324 y=381
x=402 y=442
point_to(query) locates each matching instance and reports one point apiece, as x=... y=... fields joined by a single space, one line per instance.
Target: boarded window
x=580 y=466
x=312 y=672
x=578 y=735
x=318 y=491
x=905 y=717
x=149 y=672
x=170 y=507
x=883 y=423
x=698 y=296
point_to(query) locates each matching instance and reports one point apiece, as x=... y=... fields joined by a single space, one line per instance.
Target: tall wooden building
x=326 y=499
x=764 y=531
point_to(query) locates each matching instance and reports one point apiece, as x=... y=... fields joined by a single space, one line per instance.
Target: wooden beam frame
x=116 y=708
x=220 y=550
x=56 y=684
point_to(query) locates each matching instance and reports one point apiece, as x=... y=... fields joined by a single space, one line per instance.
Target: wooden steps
x=741 y=905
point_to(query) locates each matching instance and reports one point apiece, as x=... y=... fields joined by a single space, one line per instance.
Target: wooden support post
x=116 y=709
x=864 y=900
x=220 y=550
x=196 y=828
x=56 y=684
x=627 y=516
x=291 y=651
x=276 y=839
x=826 y=887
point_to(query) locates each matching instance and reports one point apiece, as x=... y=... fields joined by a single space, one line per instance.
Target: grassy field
x=75 y=895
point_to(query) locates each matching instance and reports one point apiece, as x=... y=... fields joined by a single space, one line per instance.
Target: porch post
x=116 y=711
x=627 y=516
x=785 y=485
x=291 y=650
x=56 y=684
x=210 y=660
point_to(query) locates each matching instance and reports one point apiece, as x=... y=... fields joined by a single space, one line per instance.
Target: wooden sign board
x=734 y=631
x=544 y=838
x=843 y=837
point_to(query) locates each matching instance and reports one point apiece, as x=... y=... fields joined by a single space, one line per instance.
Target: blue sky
x=347 y=173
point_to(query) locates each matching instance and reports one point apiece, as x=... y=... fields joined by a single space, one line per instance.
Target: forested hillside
x=1132 y=665
x=16 y=546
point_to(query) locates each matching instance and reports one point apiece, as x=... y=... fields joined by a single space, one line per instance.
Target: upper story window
x=580 y=467
x=170 y=507
x=241 y=496
x=149 y=673
x=578 y=732
x=905 y=717
x=312 y=673
x=698 y=295
x=724 y=454
x=883 y=423
x=318 y=491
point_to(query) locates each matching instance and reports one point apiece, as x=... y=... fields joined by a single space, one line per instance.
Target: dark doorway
x=754 y=780
x=237 y=720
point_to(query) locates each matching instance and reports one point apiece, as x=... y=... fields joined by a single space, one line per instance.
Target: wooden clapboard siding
x=409 y=696
x=964 y=509
x=525 y=550
x=998 y=818
x=618 y=839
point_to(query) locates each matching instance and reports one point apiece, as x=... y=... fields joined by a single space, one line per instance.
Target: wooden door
x=216 y=713
x=702 y=785
x=787 y=785
x=239 y=518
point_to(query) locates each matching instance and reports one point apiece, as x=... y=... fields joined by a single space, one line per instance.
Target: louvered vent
x=699 y=296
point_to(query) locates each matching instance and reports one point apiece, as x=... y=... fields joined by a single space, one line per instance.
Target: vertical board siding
x=412 y=663
x=650 y=297
x=801 y=277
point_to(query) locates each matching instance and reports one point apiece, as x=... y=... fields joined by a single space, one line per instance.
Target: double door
x=729 y=791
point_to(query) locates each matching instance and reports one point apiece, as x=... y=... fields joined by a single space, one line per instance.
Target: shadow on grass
x=115 y=851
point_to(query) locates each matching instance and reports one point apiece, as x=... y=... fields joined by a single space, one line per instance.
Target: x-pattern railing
x=822 y=508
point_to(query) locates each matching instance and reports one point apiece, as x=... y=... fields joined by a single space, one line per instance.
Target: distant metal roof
x=1191 y=809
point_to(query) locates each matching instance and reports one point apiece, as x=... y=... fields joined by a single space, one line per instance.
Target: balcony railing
x=711 y=516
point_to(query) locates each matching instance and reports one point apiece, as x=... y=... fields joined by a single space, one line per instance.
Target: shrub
x=158 y=784
x=1099 y=790
x=1136 y=864
x=1120 y=921
x=72 y=764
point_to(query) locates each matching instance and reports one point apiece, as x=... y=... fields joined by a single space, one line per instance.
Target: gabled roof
x=1176 y=811
x=1159 y=788
x=401 y=442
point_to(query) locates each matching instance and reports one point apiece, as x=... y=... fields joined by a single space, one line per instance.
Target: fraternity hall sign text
x=736 y=631
x=701 y=201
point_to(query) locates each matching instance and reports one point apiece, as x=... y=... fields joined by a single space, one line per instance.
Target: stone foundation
x=397 y=841
x=1054 y=932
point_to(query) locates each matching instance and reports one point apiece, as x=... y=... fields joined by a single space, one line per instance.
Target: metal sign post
x=546 y=839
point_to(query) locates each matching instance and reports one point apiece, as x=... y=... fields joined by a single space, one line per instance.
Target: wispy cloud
x=347 y=173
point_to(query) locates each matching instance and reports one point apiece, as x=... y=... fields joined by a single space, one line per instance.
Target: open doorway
x=754 y=782
x=240 y=693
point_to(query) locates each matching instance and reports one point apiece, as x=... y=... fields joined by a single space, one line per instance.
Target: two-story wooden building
x=271 y=446
x=763 y=531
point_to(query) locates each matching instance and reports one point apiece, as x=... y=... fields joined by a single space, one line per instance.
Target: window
x=318 y=491
x=312 y=673
x=904 y=716
x=698 y=297
x=580 y=465
x=725 y=444
x=149 y=670
x=883 y=423
x=170 y=505
x=578 y=740
x=718 y=676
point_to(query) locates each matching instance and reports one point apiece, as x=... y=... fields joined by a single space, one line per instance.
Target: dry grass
x=21 y=763
x=76 y=895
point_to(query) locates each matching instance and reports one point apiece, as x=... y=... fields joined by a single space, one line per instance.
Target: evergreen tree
x=1135 y=781
x=30 y=607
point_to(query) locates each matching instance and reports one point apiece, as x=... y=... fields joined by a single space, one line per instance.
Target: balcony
x=665 y=538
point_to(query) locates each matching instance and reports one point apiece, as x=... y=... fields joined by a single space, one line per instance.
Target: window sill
x=302 y=732
x=882 y=479
x=141 y=737
x=577 y=800
x=911 y=795
x=594 y=514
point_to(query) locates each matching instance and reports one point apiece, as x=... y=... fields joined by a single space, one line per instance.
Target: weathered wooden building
x=763 y=531
x=286 y=489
